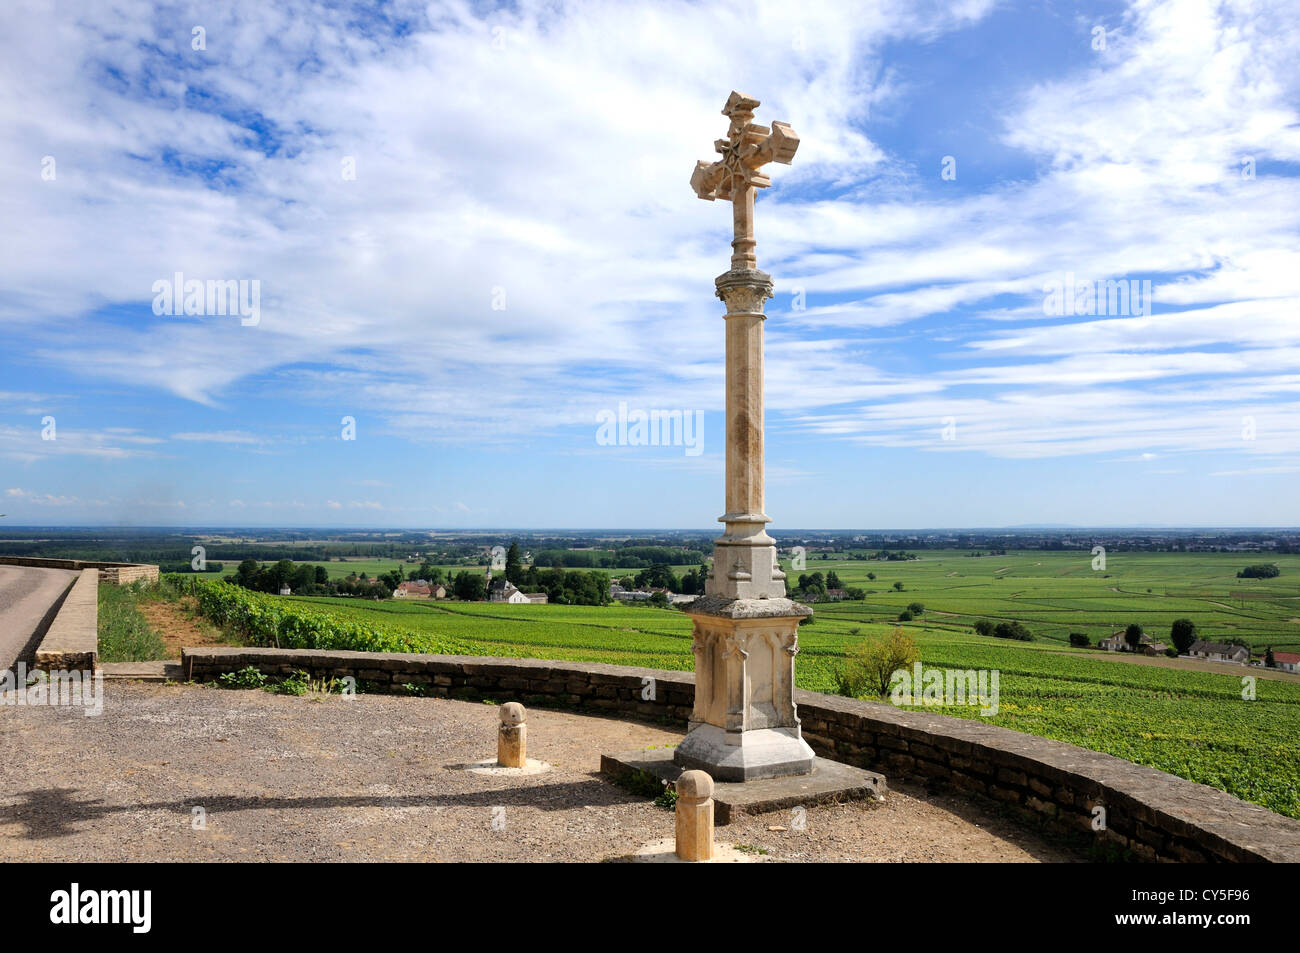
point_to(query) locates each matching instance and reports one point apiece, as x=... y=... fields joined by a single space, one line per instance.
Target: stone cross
x=747 y=148
x=744 y=725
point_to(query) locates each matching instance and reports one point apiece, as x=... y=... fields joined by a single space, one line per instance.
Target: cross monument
x=746 y=631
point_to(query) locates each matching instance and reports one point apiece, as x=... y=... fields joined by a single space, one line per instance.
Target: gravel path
x=378 y=778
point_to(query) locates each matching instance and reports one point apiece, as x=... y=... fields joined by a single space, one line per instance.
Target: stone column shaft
x=744 y=558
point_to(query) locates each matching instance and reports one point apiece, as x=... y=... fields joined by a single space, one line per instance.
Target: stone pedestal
x=745 y=725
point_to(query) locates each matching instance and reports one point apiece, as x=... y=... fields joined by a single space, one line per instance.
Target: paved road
x=26 y=595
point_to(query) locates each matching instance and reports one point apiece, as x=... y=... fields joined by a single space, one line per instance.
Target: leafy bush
x=1079 y=639
x=248 y=677
x=869 y=665
x=905 y=615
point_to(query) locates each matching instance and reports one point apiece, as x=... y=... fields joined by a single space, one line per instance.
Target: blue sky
x=472 y=232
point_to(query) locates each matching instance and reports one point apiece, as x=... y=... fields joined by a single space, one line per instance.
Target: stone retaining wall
x=1149 y=815
x=72 y=640
x=114 y=574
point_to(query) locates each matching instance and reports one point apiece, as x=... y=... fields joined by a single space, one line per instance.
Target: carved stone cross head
x=747 y=148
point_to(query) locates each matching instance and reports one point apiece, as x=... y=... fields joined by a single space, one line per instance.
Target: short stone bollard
x=695 y=816
x=512 y=737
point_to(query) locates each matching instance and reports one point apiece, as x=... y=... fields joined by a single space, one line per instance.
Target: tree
x=1133 y=636
x=871 y=576
x=469 y=586
x=1182 y=634
x=246 y=574
x=658 y=577
x=280 y=574
x=1269 y=660
x=514 y=565
x=983 y=627
x=870 y=665
x=916 y=608
x=832 y=580
x=1012 y=630
x=905 y=615
x=898 y=586
x=1259 y=571
x=1079 y=639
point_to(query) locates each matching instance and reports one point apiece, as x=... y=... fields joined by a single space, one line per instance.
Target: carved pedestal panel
x=745 y=724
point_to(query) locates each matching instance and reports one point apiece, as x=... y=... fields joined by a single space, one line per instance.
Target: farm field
x=1189 y=723
x=1056 y=593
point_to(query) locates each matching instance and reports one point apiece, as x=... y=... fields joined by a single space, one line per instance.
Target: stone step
x=159 y=671
x=830 y=782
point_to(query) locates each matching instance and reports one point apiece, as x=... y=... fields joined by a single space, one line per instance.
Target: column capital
x=744 y=289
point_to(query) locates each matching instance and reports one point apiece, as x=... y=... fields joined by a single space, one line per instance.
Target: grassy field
x=1190 y=723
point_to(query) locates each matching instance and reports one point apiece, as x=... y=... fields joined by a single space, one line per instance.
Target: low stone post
x=695 y=816
x=511 y=737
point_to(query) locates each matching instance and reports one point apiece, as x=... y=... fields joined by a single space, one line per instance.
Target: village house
x=628 y=595
x=1219 y=652
x=1147 y=646
x=413 y=590
x=502 y=589
x=1287 y=661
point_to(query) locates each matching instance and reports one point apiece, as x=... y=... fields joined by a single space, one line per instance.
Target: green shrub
x=248 y=677
x=869 y=665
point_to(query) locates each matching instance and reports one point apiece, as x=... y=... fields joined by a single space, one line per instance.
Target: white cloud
x=555 y=169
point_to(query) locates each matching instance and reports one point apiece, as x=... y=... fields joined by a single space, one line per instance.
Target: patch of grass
x=124 y=634
x=751 y=849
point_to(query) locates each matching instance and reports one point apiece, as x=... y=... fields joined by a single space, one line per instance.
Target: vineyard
x=1193 y=724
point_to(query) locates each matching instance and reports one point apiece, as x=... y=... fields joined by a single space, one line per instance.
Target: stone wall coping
x=72 y=640
x=1226 y=826
x=41 y=562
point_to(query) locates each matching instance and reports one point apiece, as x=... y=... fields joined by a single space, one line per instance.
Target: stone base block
x=829 y=782
x=761 y=753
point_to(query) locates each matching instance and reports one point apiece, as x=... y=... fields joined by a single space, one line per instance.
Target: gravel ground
x=379 y=778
